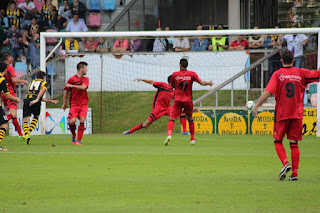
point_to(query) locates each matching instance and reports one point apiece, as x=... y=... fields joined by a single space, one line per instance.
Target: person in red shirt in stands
x=239 y=44
x=287 y=85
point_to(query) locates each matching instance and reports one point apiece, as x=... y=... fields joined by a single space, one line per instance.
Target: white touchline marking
x=146 y=153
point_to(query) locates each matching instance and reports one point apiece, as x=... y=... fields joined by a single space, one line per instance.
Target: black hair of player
x=184 y=63
x=40 y=74
x=81 y=65
x=3 y=66
x=169 y=79
x=5 y=56
x=287 y=57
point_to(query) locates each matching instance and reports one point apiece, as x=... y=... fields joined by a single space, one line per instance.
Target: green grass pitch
x=137 y=173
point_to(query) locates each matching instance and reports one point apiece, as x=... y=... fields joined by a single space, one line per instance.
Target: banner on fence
x=56 y=122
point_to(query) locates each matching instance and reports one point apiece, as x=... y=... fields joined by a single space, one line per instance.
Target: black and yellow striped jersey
x=14 y=17
x=48 y=11
x=3 y=86
x=34 y=88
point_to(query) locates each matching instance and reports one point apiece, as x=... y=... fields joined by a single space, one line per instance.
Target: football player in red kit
x=288 y=85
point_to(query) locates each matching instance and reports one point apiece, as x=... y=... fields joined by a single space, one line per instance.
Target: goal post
x=167 y=34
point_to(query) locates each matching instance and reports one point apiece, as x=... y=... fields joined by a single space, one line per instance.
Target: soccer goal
x=238 y=75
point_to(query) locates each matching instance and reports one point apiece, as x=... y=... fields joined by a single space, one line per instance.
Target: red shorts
x=158 y=113
x=179 y=107
x=291 y=127
x=9 y=104
x=78 y=111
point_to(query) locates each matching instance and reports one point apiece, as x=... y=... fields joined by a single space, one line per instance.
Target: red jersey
x=10 y=73
x=182 y=82
x=78 y=97
x=163 y=96
x=288 y=85
x=243 y=43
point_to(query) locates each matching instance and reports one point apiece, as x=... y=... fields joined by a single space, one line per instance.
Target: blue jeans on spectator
x=274 y=64
x=16 y=53
x=298 y=61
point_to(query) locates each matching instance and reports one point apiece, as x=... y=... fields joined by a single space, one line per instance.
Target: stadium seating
x=94 y=20
x=21 y=67
x=94 y=5
x=108 y=5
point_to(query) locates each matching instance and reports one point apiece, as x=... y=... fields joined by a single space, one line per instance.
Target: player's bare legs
x=3 y=130
x=138 y=127
x=73 y=127
x=13 y=116
x=295 y=159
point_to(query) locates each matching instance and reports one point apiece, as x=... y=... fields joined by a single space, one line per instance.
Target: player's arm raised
x=50 y=101
x=41 y=93
x=205 y=83
x=18 y=81
x=145 y=80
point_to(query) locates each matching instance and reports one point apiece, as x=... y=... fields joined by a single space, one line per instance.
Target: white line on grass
x=146 y=153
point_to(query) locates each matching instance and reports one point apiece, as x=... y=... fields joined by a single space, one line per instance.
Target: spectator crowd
x=22 y=22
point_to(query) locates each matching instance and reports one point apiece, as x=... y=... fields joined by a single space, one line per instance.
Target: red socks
x=72 y=128
x=281 y=152
x=139 y=126
x=191 y=127
x=16 y=125
x=80 y=131
x=295 y=158
x=183 y=122
x=170 y=127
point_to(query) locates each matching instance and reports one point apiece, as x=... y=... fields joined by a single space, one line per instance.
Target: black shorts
x=28 y=110
x=3 y=117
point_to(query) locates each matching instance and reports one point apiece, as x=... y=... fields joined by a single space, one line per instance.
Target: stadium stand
x=108 y=5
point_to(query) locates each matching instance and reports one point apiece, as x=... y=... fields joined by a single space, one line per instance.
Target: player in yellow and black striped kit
x=32 y=103
x=4 y=89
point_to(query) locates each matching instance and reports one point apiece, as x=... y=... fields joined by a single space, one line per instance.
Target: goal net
x=119 y=103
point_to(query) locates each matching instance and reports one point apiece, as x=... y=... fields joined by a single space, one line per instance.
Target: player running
x=6 y=93
x=32 y=103
x=160 y=107
x=182 y=82
x=77 y=85
x=288 y=85
x=12 y=79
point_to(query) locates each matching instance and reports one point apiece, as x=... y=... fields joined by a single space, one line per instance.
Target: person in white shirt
x=181 y=44
x=64 y=13
x=76 y=25
x=29 y=10
x=295 y=44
